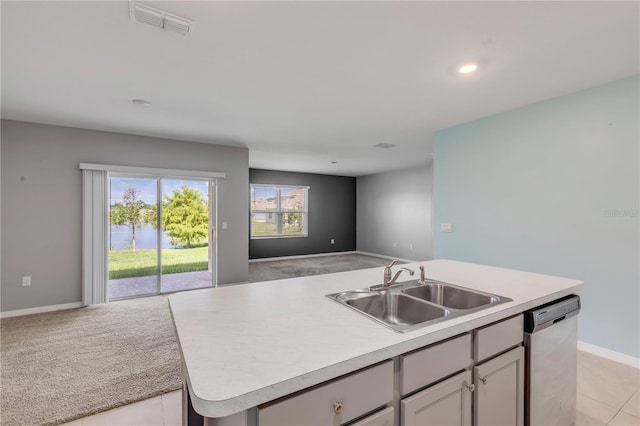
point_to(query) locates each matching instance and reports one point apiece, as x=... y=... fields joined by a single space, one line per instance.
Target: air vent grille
x=179 y=26
x=144 y=14
x=147 y=16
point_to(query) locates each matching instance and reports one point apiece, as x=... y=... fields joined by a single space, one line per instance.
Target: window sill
x=271 y=237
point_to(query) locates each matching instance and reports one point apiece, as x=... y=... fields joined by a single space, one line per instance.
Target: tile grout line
x=621 y=408
x=603 y=403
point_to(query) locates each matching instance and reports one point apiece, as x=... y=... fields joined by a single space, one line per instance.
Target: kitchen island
x=245 y=346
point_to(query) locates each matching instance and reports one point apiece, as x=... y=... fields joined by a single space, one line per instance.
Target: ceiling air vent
x=159 y=18
x=383 y=145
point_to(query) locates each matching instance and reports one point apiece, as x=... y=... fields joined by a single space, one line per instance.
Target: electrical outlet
x=26 y=281
x=333 y=241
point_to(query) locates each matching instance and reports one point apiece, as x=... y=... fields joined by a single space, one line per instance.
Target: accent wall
x=332 y=215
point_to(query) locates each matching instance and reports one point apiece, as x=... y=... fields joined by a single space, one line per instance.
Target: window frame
x=279 y=211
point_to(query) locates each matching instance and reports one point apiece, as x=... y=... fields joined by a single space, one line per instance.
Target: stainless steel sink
x=450 y=296
x=413 y=304
x=397 y=309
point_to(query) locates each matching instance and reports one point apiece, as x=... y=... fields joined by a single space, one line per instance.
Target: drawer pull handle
x=338 y=407
x=471 y=387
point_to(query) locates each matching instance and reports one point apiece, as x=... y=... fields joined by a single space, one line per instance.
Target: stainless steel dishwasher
x=551 y=336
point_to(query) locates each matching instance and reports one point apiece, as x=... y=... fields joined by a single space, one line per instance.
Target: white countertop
x=247 y=344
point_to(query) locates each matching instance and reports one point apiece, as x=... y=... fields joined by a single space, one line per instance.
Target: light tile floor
x=164 y=410
x=608 y=394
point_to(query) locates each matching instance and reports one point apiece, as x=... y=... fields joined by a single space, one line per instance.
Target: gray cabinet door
x=381 y=418
x=499 y=395
x=445 y=404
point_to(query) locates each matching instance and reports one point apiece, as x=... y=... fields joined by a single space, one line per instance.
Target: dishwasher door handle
x=559 y=319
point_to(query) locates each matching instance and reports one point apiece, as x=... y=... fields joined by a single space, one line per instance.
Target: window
x=278 y=211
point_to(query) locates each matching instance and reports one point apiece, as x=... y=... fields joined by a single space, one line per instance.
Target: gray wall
x=395 y=207
x=41 y=203
x=552 y=188
x=332 y=214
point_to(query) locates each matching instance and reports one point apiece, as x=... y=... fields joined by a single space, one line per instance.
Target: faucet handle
x=422 y=277
x=393 y=262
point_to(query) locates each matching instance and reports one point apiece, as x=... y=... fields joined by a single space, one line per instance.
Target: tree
x=294 y=219
x=185 y=216
x=131 y=212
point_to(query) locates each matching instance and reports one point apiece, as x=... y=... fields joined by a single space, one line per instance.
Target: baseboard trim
x=236 y=283
x=269 y=259
x=40 y=309
x=609 y=354
x=366 y=253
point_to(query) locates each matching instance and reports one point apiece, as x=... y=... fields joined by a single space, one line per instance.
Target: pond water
x=146 y=238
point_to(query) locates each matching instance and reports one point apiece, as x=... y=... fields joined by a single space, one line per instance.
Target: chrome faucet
x=387 y=281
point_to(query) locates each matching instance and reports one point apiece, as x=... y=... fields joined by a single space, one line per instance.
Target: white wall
x=395 y=207
x=41 y=203
x=553 y=188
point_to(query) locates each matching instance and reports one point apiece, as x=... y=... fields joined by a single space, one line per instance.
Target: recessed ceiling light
x=333 y=162
x=141 y=102
x=384 y=145
x=468 y=68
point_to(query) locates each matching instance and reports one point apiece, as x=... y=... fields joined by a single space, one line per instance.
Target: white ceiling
x=302 y=84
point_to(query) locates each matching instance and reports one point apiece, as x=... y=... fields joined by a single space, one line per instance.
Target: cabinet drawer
x=359 y=393
x=495 y=338
x=428 y=365
x=381 y=418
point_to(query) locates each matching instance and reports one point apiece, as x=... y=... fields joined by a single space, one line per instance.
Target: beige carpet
x=59 y=366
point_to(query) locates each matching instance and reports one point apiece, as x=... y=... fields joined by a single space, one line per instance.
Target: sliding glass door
x=162 y=235
x=133 y=260
x=185 y=222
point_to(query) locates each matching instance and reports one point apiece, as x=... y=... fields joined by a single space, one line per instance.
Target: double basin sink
x=414 y=304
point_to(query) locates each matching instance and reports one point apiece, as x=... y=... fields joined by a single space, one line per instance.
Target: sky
x=149 y=188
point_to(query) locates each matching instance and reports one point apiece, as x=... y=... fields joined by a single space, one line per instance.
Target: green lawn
x=264 y=229
x=140 y=263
